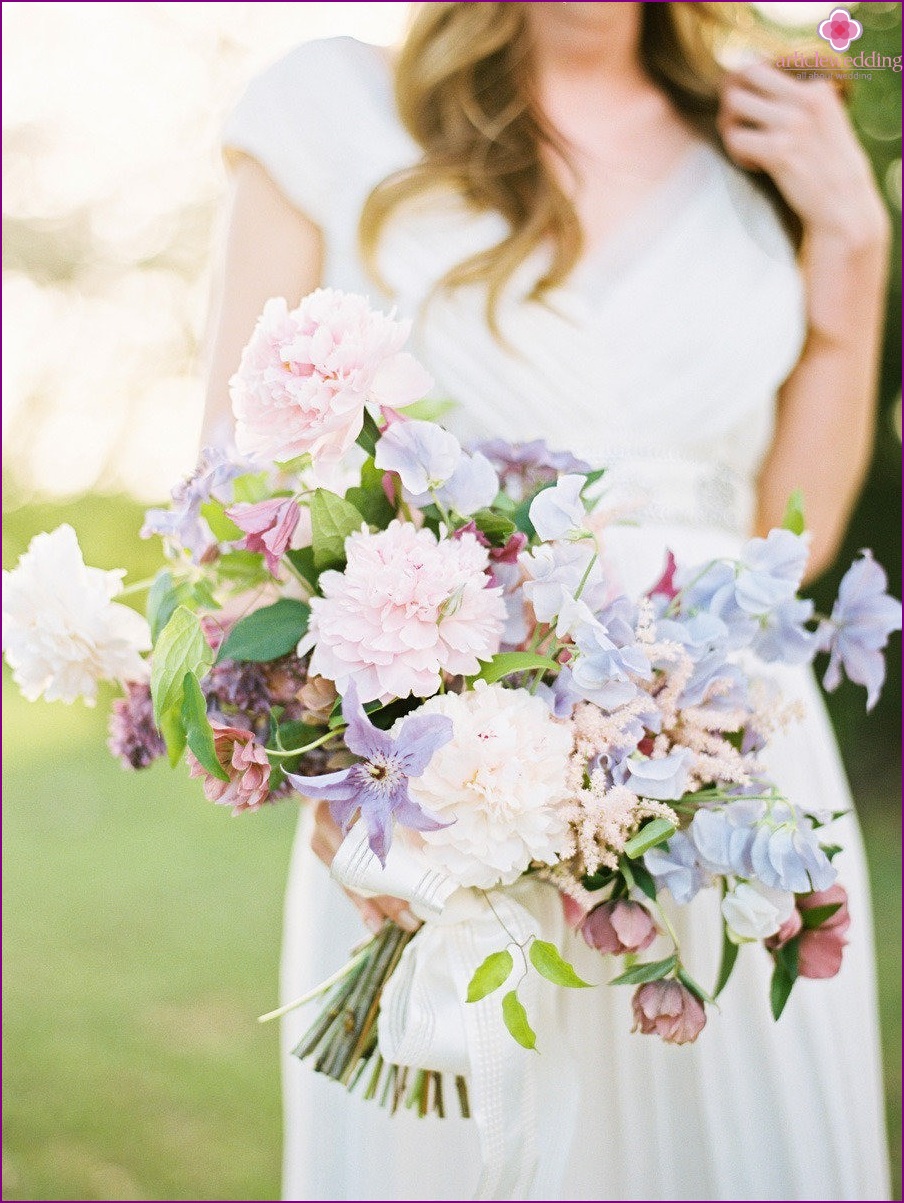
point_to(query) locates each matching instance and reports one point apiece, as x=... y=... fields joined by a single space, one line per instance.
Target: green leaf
x=497 y=528
x=591 y=479
x=163 y=597
x=515 y=1018
x=369 y=499
x=180 y=649
x=647 y=971
x=370 y=432
x=598 y=880
x=490 y=975
x=244 y=568
x=794 y=519
x=333 y=519
x=224 y=529
x=784 y=976
x=173 y=731
x=817 y=915
x=695 y=988
x=727 y=963
x=831 y=850
x=302 y=560
x=198 y=732
x=548 y=961
x=268 y=633
x=201 y=594
x=505 y=663
x=251 y=487
x=428 y=410
x=657 y=831
x=644 y=880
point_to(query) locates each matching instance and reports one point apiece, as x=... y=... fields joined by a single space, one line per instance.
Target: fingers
x=769 y=81
x=326 y=836
x=375 y=912
x=754 y=149
x=743 y=105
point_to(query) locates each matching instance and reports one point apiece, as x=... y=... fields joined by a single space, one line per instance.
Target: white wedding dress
x=661 y=357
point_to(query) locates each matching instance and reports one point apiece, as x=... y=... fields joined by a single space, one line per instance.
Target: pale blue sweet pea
x=786 y=855
x=698 y=634
x=423 y=454
x=770 y=571
x=377 y=785
x=472 y=486
x=862 y=619
x=716 y=683
x=555 y=572
x=783 y=635
x=712 y=592
x=675 y=866
x=723 y=836
x=663 y=779
x=183 y=523
x=558 y=512
x=602 y=671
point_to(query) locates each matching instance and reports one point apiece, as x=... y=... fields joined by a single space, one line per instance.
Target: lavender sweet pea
x=377 y=785
x=863 y=617
x=422 y=453
x=663 y=779
x=558 y=512
x=183 y=522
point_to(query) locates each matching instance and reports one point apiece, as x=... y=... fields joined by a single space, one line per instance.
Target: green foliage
x=515 y=1017
x=370 y=433
x=794 y=519
x=694 y=986
x=490 y=975
x=647 y=971
x=268 y=633
x=783 y=976
x=497 y=528
x=727 y=962
x=653 y=833
x=251 y=488
x=198 y=732
x=817 y=915
x=245 y=569
x=163 y=597
x=224 y=529
x=548 y=961
x=333 y=519
x=180 y=650
x=369 y=499
x=503 y=664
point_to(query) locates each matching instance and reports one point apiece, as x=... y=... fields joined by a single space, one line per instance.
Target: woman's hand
x=799 y=133
x=374 y=911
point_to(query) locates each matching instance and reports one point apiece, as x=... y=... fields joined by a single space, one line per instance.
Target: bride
x=611 y=244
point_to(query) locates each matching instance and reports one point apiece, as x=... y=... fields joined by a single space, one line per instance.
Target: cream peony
x=407 y=608
x=306 y=374
x=61 y=632
x=502 y=779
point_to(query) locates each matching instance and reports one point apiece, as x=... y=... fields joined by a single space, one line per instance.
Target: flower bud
x=618 y=927
x=668 y=1009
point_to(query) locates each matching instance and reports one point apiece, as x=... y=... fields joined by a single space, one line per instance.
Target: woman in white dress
x=679 y=338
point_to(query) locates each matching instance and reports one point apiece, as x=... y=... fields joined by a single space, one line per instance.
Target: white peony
x=61 y=632
x=499 y=783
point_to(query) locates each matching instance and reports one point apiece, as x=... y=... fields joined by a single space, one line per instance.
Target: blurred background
x=142 y=925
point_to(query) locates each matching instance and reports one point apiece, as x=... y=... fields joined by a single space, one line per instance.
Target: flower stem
x=287 y=752
x=337 y=977
x=136 y=587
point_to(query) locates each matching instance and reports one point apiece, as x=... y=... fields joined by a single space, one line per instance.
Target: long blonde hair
x=464 y=91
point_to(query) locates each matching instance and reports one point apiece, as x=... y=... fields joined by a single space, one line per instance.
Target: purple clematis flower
x=863 y=617
x=377 y=785
x=524 y=466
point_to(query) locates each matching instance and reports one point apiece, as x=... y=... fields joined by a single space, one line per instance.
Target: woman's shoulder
x=322 y=121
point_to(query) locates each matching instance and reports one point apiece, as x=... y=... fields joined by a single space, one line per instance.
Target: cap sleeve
x=288 y=120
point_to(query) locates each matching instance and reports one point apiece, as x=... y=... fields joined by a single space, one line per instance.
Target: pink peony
x=269 y=526
x=617 y=927
x=668 y=1009
x=407 y=608
x=243 y=758
x=306 y=374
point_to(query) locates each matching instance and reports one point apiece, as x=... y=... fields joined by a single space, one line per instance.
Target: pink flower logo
x=839 y=29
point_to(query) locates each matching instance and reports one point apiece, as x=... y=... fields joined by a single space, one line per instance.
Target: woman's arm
x=799 y=133
x=271 y=250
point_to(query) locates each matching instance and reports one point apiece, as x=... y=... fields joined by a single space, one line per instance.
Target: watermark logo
x=839 y=29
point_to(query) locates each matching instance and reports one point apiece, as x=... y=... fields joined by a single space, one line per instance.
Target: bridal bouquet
x=358 y=610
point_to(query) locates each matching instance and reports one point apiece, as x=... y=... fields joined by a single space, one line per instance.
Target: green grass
x=142 y=930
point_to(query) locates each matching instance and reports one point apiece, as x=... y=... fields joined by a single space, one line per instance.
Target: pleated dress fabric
x=660 y=358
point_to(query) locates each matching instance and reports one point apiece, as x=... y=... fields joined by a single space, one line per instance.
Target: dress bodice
x=661 y=356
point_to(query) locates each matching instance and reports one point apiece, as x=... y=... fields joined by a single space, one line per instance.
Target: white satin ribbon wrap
x=425 y=1022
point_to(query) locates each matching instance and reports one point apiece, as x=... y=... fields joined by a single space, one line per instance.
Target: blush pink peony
x=407 y=608
x=306 y=374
